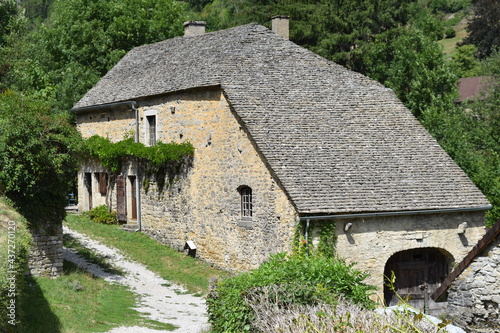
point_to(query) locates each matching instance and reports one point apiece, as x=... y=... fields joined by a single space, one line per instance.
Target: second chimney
x=194 y=28
x=281 y=26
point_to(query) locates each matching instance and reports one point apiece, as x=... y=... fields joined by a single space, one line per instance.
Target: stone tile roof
x=338 y=141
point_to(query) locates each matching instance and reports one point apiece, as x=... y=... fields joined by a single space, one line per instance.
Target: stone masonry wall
x=370 y=242
x=116 y=124
x=84 y=200
x=46 y=255
x=474 y=296
x=202 y=204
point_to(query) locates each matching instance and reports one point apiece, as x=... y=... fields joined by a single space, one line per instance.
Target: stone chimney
x=194 y=28
x=281 y=26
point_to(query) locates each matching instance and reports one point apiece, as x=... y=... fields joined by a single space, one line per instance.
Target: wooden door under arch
x=419 y=272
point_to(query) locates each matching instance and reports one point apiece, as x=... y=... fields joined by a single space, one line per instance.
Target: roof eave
x=308 y=216
x=91 y=108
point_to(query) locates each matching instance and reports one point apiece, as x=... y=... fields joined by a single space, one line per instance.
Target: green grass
x=77 y=302
x=170 y=264
x=459 y=23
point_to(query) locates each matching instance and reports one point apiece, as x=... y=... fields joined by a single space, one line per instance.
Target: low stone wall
x=46 y=255
x=474 y=296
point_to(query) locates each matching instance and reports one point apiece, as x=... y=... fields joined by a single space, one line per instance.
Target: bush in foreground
x=295 y=280
x=343 y=316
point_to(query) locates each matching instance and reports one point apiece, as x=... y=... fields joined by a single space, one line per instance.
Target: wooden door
x=419 y=273
x=121 y=198
x=133 y=198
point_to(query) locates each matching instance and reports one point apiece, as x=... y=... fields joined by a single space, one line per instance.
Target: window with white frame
x=246 y=201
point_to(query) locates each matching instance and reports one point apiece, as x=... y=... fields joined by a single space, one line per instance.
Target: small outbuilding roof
x=473 y=87
x=337 y=141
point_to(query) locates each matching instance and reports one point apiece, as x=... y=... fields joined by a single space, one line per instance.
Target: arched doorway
x=419 y=272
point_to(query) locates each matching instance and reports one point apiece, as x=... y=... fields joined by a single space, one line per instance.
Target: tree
x=82 y=39
x=12 y=23
x=11 y=19
x=96 y=34
x=413 y=65
x=484 y=28
x=38 y=150
x=334 y=29
x=465 y=62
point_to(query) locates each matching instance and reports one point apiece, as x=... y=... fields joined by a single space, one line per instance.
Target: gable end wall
x=203 y=204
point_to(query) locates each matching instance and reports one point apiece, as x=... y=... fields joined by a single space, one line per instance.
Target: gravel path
x=158 y=299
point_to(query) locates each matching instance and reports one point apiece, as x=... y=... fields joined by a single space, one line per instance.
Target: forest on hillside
x=53 y=51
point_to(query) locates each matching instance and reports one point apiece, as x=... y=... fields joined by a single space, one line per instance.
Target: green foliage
x=484 y=27
x=38 y=150
x=471 y=135
x=101 y=214
x=79 y=302
x=112 y=154
x=327 y=238
x=449 y=6
x=73 y=43
x=449 y=32
x=15 y=243
x=491 y=65
x=96 y=34
x=11 y=19
x=414 y=66
x=83 y=39
x=298 y=279
x=465 y=62
x=431 y=26
x=37 y=9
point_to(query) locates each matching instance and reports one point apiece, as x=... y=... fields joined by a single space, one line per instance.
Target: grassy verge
x=170 y=264
x=15 y=242
x=450 y=44
x=77 y=302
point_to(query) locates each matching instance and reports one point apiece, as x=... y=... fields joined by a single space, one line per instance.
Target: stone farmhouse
x=284 y=140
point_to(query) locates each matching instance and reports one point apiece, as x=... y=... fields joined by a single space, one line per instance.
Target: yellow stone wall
x=202 y=203
x=370 y=242
x=115 y=124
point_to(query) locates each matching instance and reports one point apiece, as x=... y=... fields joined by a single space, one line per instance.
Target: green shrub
x=450 y=32
x=298 y=280
x=101 y=214
x=38 y=158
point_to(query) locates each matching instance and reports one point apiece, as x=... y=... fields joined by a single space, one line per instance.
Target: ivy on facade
x=326 y=236
x=113 y=154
